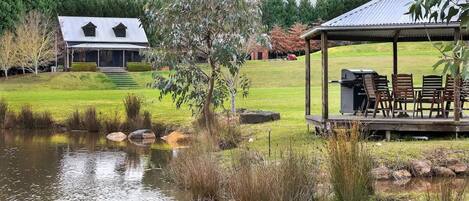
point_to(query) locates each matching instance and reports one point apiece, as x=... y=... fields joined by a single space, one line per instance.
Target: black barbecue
x=352 y=96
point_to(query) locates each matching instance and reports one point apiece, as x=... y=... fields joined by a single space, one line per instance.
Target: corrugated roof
x=379 y=20
x=71 y=28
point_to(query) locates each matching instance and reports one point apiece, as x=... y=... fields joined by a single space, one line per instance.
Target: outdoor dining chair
x=446 y=97
x=431 y=87
x=376 y=95
x=404 y=93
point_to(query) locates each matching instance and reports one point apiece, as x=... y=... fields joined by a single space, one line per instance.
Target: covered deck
x=377 y=21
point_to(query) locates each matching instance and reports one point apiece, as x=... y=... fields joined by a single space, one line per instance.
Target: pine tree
x=307 y=14
x=273 y=13
x=291 y=13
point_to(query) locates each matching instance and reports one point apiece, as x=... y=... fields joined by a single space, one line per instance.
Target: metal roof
x=109 y=46
x=382 y=20
x=71 y=28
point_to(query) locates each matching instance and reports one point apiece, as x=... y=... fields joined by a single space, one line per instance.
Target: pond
x=41 y=166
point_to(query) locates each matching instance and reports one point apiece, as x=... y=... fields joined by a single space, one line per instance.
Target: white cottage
x=110 y=42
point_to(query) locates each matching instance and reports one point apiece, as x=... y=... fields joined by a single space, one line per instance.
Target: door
x=111 y=58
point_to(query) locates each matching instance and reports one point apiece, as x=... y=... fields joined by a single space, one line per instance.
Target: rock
x=381 y=173
x=443 y=172
x=142 y=142
x=458 y=168
x=401 y=175
x=177 y=139
x=421 y=168
x=255 y=117
x=116 y=137
x=142 y=134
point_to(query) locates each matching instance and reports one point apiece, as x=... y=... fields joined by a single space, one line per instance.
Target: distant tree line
x=285 y=13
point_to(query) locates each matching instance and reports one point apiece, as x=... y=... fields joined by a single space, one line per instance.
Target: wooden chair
x=403 y=92
x=431 y=87
x=464 y=93
x=376 y=96
x=446 y=97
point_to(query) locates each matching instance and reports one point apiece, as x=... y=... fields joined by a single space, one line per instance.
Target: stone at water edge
x=381 y=173
x=457 y=166
x=116 y=136
x=443 y=172
x=142 y=134
x=421 y=168
x=401 y=175
x=177 y=139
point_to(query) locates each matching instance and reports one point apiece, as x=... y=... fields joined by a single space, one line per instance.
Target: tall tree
x=296 y=43
x=291 y=13
x=307 y=14
x=7 y=52
x=35 y=41
x=279 y=40
x=215 y=30
x=10 y=13
x=273 y=13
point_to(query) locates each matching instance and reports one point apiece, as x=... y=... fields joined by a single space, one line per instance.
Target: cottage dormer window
x=120 y=30
x=89 y=30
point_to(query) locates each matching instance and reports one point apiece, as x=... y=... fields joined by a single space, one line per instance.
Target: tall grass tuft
x=90 y=120
x=229 y=136
x=350 y=165
x=25 y=118
x=132 y=105
x=198 y=171
x=10 y=120
x=291 y=178
x=112 y=124
x=44 y=120
x=3 y=112
x=448 y=191
x=147 y=120
x=74 y=121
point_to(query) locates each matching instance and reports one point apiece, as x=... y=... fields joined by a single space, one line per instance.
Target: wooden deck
x=392 y=124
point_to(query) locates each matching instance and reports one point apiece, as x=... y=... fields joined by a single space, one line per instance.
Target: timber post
x=308 y=77
x=325 y=81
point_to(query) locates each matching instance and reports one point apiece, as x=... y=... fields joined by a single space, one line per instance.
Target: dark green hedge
x=138 y=66
x=84 y=67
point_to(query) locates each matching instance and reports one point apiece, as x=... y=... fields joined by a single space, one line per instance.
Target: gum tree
x=7 y=52
x=454 y=56
x=199 y=39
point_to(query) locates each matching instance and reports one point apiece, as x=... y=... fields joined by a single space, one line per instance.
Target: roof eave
x=318 y=30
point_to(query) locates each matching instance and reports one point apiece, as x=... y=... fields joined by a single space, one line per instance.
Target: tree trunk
x=208 y=101
x=24 y=72
x=233 y=103
x=457 y=97
x=6 y=73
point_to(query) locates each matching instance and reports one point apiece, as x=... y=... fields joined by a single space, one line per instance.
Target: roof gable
x=71 y=28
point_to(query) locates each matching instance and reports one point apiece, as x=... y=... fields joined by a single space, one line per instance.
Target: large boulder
x=421 y=168
x=116 y=136
x=177 y=139
x=443 y=172
x=255 y=117
x=142 y=134
x=401 y=175
x=457 y=166
x=381 y=173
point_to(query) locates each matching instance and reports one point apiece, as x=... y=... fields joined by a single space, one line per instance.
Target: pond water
x=40 y=166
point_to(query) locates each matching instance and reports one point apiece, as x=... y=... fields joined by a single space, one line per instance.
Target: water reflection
x=81 y=166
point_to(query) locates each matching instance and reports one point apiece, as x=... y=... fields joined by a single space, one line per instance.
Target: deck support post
x=394 y=53
x=308 y=77
x=325 y=81
x=388 y=136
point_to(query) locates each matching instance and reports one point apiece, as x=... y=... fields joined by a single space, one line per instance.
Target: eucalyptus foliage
x=202 y=41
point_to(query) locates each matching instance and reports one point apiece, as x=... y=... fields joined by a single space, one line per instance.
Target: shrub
x=25 y=118
x=229 y=136
x=350 y=165
x=74 y=122
x=291 y=178
x=90 y=120
x=112 y=124
x=84 y=67
x=147 y=120
x=198 y=171
x=138 y=66
x=44 y=120
x=3 y=112
x=132 y=105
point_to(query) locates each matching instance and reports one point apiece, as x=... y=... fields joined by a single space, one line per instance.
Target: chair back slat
x=403 y=87
x=369 y=86
x=431 y=84
x=465 y=89
x=448 y=92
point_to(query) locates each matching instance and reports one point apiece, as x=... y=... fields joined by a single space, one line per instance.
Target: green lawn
x=276 y=85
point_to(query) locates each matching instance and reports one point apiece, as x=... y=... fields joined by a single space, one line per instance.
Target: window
x=120 y=30
x=89 y=30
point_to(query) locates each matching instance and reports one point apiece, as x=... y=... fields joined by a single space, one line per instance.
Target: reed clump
x=132 y=104
x=198 y=171
x=447 y=190
x=43 y=120
x=90 y=120
x=26 y=118
x=350 y=165
x=112 y=124
x=74 y=121
x=291 y=177
x=3 y=112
